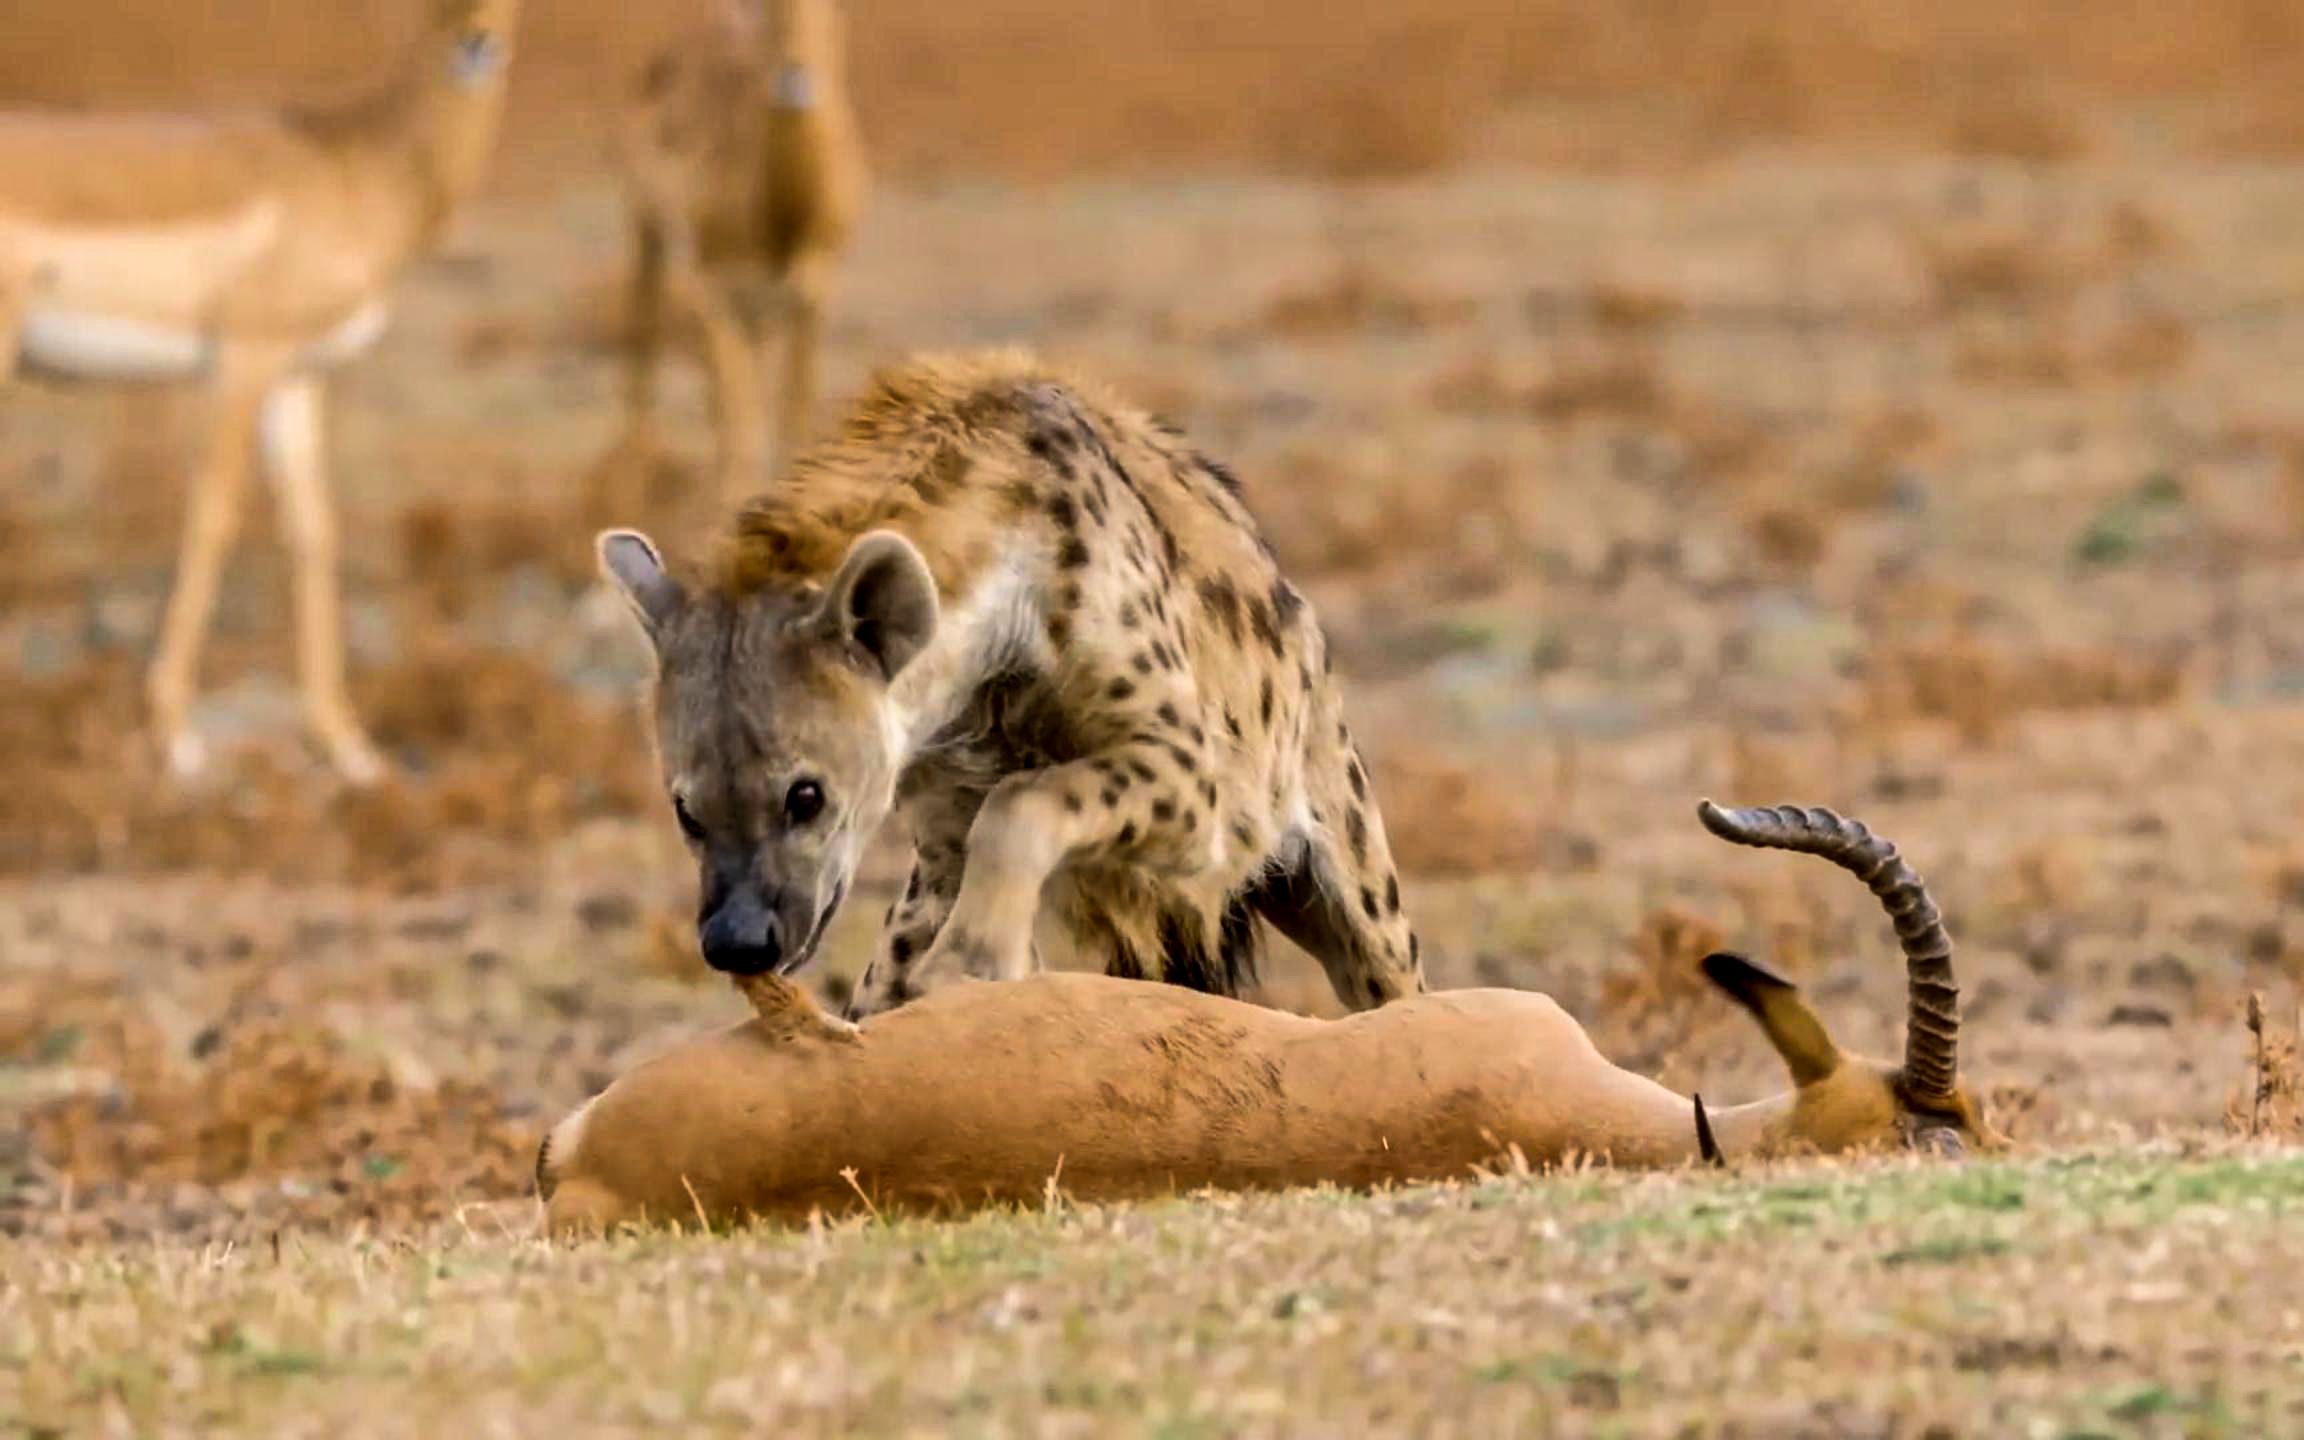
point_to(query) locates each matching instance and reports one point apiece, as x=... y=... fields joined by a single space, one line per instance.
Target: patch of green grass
x=1947 y=1250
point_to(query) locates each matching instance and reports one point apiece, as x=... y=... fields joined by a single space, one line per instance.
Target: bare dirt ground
x=1648 y=421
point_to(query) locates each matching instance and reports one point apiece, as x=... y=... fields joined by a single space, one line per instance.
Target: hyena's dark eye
x=688 y=824
x=803 y=802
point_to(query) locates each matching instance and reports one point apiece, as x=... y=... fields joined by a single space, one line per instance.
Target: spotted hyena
x=1045 y=631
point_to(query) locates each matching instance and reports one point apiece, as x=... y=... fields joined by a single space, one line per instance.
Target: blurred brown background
x=1030 y=89
x=1889 y=405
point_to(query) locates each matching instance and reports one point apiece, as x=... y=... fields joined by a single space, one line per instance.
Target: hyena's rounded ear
x=633 y=565
x=882 y=603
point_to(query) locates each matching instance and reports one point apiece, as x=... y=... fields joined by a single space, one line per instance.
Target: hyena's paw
x=961 y=953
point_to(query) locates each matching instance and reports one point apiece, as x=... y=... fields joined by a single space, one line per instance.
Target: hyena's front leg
x=1147 y=802
x=912 y=925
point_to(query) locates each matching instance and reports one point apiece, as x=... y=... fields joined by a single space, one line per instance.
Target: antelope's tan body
x=250 y=254
x=980 y=1093
x=988 y=1092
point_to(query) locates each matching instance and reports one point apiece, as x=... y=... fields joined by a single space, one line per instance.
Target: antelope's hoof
x=185 y=754
x=358 y=764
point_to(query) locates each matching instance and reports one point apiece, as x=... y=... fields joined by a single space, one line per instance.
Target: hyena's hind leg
x=1335 y=892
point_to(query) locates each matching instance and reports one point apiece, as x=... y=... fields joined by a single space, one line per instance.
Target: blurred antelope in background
x=251 y=253
x=746 y=175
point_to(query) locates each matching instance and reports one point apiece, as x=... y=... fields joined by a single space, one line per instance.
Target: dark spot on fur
x=1287 y=601
x=1141 y=663
x=1120 y=689
x=1095 y=504
x=1104 y=765
x=1232 y=724
x=1358 y=777
x=1375 y=990
x=1208 y=790
x=1415 y=948
x=1143 y=771
x=1185 y=759
x=1221 y=474
x=1127 y=835
x=1244 y=833
x=1392 y=894
x=1110 y=797
x=1368 y=901
x=1127 y=615
x=1120 y=782
x=1168 y=715
x=943 y=474
x=1060 y=510
x=1267 y=626
x=1073 y=554
x=1021 y=495
x=1051 y=447
x=1164 y=809
x=1221 y=599
x=1069 y=596
x=1356 y=831
x=1072 y=802
x=1191 y=821
x=901 y=949
x=1264 y=703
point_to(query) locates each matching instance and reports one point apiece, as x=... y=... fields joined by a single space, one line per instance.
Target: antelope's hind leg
x=13 y=301
x=244 y=377
x=800 y=334
x=293 y=436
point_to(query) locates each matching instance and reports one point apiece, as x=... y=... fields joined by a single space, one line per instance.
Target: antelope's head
x=1843 y=1101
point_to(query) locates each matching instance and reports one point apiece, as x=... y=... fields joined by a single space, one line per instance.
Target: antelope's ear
x=883 y=602
x=1783 y=1014
x=631 y=562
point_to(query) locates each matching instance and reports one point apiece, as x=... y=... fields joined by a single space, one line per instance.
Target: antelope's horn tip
x=1706 y=1146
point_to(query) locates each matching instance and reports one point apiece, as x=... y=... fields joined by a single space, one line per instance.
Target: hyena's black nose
x=742 y=936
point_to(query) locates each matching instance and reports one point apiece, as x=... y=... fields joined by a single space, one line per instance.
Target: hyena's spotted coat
x=1045 y=630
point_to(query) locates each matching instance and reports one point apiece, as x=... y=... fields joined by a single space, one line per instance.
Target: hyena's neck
x=985 y=629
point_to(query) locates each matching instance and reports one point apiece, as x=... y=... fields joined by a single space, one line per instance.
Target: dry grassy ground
x=1633 y=445
x=2094 y=1295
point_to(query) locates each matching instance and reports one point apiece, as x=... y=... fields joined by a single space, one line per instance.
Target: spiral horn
x=1932 y=1026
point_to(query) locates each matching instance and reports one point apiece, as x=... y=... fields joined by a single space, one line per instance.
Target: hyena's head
x=779 y=739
